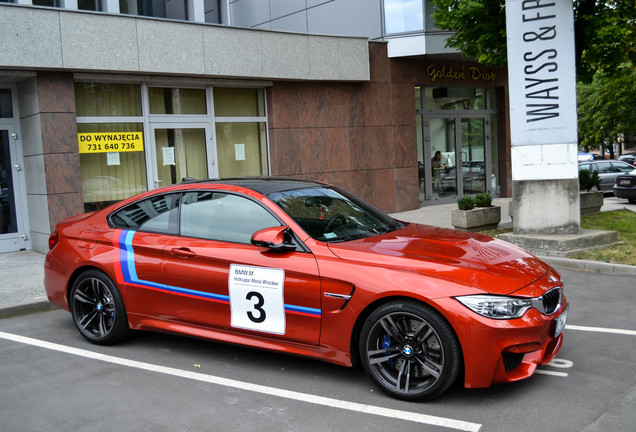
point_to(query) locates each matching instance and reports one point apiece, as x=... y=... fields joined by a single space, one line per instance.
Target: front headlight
x=496 y=307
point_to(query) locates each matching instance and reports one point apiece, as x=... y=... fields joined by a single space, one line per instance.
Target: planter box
x=591 y=202
x=477 y=219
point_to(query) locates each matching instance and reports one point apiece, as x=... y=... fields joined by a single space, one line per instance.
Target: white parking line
x=552 y=373
x=272 y=391
x=601 y=330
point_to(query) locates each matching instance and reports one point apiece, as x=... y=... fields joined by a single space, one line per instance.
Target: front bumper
x=499 y=351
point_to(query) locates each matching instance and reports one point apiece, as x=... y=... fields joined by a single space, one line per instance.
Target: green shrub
x=589 y=181
x=483 y=200
x=466 y=203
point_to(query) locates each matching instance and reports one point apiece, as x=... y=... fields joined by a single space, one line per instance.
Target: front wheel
x=97 y=308
x=409 y=350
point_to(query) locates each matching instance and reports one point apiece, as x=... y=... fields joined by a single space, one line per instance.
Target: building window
x=133 y=137
x=91 y=5
x=105 y=113
x=6 y=108
x=403 y=16
x=177 y=101
x=241 y=132
x=172 y=9
x=213 y=11
x=50 y=3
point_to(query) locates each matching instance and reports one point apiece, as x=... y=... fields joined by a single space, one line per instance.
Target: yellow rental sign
x=104 y=142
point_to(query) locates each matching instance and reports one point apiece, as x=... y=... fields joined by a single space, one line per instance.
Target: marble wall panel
x=406 y=189
x=325 y=149
x=405 y=146
x=371 y=105
x=379 y=63
x=56 y=92
x=371 y=147
x=64 y=205
x=59 y=133
x=285 y=150
x=324 y=105
x=282 y=105
x=403 y=104
x=62 y=173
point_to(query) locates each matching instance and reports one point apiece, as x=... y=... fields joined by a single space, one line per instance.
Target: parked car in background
x=585 y=157
x=630 y=158
x=625 y=187
x=607 y=170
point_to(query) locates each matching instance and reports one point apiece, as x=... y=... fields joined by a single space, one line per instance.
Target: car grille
x=511 y=360
x=551 y=300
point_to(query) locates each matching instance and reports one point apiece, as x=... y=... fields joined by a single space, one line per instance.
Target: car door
x=220 y=280
x=143 y=228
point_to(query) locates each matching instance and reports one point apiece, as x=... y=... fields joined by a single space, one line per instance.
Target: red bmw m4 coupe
x=308 y=269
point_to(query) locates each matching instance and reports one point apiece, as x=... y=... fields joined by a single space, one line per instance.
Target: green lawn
x=622 y=221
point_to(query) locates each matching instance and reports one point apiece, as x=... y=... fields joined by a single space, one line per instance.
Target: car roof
x=263 y=185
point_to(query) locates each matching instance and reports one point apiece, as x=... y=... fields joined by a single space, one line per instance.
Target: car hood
x=483 y=262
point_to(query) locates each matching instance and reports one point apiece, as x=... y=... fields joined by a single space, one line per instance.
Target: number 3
x=258 y=306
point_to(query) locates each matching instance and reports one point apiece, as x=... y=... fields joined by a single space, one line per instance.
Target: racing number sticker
x=256 y=298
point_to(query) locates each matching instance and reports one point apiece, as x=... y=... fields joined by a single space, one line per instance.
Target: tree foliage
x=604 y=32
x=605 y=45
x=607 y=109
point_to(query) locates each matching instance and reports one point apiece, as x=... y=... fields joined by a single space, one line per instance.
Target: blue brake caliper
x=386 y=344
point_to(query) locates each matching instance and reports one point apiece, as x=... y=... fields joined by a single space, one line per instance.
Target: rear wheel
x=97 y=308
x=409 y=350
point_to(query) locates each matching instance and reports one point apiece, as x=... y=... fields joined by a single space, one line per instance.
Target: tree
x=607 y=109
x=604 y=32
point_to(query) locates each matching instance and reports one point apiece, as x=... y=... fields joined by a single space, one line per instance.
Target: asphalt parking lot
x=53 y=380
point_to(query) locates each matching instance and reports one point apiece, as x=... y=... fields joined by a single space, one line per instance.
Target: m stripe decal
x=129 y=274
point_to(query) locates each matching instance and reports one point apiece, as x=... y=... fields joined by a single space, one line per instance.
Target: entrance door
x=12 y=230
x=180 y=152
x=456 y=158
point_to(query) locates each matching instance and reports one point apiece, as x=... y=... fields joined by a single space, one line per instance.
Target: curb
x=591 y=266
x=40 y=304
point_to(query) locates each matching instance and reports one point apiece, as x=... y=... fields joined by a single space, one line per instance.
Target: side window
x=623 y=168
x=158 y=213
x=221 y=216
x=604 y=167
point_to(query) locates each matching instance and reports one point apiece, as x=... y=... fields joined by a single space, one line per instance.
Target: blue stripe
x=129 y=272
x=302 y=309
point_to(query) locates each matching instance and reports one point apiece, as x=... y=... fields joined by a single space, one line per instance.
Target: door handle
x=182 y=252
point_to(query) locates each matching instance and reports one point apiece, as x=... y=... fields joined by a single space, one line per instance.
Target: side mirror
x=273 y=238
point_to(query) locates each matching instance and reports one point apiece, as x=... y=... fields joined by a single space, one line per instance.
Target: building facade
x=100 y=100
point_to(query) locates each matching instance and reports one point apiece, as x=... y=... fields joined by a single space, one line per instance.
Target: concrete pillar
x=546 y=207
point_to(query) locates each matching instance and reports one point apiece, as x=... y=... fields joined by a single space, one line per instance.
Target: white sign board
x=256 y=298
x=542 y=81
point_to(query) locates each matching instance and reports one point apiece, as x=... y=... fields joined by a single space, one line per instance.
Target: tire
x=409 y=351
x=97 y=308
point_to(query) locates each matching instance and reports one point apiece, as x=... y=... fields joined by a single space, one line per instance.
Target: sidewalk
x=22 y=288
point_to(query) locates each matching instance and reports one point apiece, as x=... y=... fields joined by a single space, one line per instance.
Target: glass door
x=12 y=231
x=473 y=155
x=443 y=161
x=456 y=158
x=180 y=152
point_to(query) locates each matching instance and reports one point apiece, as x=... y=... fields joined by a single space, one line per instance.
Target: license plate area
x=559 y=323
x=624 y=182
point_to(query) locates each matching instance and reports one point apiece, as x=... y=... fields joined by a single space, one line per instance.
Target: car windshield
x=332 y=215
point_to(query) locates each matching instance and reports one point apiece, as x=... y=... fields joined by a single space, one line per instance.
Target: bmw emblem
x=553 y=279
x=407 y=351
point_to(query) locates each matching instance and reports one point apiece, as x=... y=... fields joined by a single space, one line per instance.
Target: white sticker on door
x=256 y=298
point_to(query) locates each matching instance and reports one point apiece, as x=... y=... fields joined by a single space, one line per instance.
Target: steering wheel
x=332 y=222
